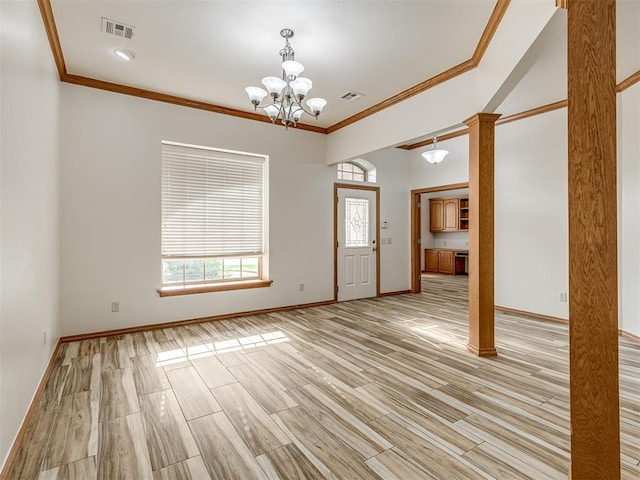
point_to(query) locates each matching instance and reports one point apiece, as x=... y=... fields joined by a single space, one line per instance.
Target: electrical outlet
x=44 y=337
x=563 y=296
x=115 y=307
x=301 y=287
x=445 y=243
x=389 y=241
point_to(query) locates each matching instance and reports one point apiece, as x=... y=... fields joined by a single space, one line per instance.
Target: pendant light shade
x=292 y=68
x=435 y=155
x=316 y=105
x=274 y=85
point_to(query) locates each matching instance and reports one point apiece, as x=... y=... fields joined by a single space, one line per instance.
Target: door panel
x=357 y=244
x=365 y=269
x=349 y=270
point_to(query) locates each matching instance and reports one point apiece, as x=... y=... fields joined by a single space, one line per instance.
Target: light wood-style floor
x=379 y=388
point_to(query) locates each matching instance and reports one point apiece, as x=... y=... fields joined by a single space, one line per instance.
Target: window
x=356 y=222
x=357 y=170
x=213 y=208
x=351 y=171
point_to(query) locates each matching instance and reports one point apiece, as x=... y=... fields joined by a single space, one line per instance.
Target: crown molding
x=532 y=112
x=487 y=35
x=52 y=34
x=56 y=49
x=176 y=100
x=628 y=82
x=442 y=138
x=620 y=87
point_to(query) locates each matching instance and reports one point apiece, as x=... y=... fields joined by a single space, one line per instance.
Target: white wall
x=29 y=239
x=110 y=200
x=530 y=209
x=395 y=258
x=629 y=208
x=531 y=222
x=453 y=169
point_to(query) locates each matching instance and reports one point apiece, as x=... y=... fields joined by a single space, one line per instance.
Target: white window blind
x=212 y=202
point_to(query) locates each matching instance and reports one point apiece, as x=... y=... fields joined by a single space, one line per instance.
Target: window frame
x=354 y=166
x=186 y=286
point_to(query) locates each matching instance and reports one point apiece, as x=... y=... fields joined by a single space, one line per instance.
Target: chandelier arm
x=295 y=102
x=306 y=111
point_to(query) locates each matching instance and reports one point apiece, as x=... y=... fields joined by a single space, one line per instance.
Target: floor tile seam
x=290 y=442
x=542 y=474
x=350 y=448
x=254 y=396
x=411 y=385
x=481 y=467
x=435 y=440
x=514 y=392
x=496 y=441
x=237 y=430
x=177 y=462
x=445 y=448
x=533 y=417
x=308 y=412
x=627 y=459
x=421 y=410
x=528 y=435
x=492 y=416
x=398 y=451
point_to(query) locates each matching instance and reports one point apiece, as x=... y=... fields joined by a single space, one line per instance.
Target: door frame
x=353 y=186
x=416 y=267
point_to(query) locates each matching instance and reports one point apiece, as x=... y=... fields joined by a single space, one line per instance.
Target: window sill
x=221 y=287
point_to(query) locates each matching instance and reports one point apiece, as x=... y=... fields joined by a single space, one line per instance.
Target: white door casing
x=357 y=244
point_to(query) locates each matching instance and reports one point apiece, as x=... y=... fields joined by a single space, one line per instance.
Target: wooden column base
x=482 y=352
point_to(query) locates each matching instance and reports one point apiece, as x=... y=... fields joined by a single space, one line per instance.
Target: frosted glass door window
x=356 y=222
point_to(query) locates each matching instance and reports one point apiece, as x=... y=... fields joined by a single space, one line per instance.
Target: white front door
x=357 y=244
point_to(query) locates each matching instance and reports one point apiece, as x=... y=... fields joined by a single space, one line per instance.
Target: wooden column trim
x=593 y=290
x=416 y=213
x=481 y=235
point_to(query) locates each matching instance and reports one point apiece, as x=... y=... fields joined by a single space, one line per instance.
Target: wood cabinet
x=450 y=214
x=445 y=262
x=436 y=215
x=464 y=213
x=439 y=261
x=431 y=260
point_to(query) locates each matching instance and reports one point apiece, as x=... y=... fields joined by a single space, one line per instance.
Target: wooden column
x=481 y=258
x=593 y=291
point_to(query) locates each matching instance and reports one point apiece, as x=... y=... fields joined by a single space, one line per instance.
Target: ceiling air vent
x=118 y=29
x=351 y=96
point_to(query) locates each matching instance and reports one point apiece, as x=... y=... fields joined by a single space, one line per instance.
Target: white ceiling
x=211 y=50
x=546 y=81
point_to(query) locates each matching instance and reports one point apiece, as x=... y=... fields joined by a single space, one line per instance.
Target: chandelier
x=286 y=93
